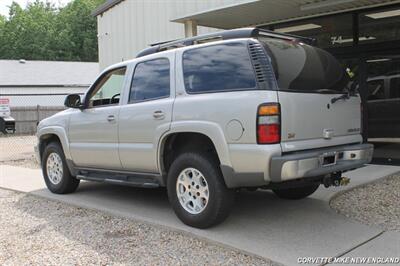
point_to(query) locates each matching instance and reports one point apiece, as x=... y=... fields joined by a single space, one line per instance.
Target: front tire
x=56 y=174
x=197 y=191
x=296 y=192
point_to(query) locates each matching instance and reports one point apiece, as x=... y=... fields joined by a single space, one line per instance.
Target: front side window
x=151 y=80
x=223 y=67
x=108 y=88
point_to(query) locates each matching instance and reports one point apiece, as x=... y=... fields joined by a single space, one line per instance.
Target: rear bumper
x=311 y=163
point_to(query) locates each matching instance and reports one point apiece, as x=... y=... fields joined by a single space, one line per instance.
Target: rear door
x=309 y=81
x=147 y=113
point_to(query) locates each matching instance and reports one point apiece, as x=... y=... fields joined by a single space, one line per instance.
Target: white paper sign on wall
x=4 y=107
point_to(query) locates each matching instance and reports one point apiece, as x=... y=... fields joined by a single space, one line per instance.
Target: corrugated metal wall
x=132 y=25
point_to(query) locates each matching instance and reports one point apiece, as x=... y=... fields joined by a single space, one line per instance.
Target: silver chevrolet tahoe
x=208 y=115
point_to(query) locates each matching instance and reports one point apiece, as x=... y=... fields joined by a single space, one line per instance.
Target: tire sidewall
x=191 y=160
x=55 y=148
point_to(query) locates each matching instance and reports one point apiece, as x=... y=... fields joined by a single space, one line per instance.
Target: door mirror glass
x=73 y=101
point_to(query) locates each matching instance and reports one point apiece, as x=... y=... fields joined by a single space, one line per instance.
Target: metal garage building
x=127 y=26
x=44 y=83
x=35 y=90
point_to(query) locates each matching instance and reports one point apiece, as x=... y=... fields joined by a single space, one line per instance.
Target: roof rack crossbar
x=223 y=35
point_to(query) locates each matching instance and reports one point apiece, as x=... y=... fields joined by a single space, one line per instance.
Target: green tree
x=43 y=32
x=78 y=30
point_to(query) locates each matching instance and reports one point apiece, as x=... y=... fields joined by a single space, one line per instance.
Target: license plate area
x=328 y=159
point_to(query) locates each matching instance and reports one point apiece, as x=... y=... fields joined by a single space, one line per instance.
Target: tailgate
x=310 y=120
x=308 y=78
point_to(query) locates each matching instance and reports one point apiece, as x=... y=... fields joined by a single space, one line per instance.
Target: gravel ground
x=376 y=203
x=18 y=151
x=27 y=162
x=35 y=231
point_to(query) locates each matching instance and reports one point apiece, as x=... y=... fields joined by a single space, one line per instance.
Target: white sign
x=4 y=107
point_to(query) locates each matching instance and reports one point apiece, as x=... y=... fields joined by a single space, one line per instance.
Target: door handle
x=158 y=115
x=111 y=118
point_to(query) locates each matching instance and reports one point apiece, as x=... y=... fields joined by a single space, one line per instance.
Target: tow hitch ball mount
x=336 y=180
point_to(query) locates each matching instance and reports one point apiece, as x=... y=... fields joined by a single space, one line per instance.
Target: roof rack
x=223 y=35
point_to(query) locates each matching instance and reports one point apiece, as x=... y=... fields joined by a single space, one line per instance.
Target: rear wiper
x=345 y=96
x=341 y=97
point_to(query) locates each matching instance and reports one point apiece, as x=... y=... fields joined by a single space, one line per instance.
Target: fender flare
x=62 y=136
x=209 y=129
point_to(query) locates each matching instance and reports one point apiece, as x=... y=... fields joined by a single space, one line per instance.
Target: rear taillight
x=268 y=123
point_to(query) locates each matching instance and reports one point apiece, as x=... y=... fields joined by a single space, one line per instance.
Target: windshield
x=303 y=68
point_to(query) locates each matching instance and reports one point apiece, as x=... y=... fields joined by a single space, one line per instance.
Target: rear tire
x=197 y=191
x=56 y=174
x=297 y=192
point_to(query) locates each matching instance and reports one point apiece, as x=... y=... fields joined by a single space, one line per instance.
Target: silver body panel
x=134 y=141
x=312 y=116
x=93 y=140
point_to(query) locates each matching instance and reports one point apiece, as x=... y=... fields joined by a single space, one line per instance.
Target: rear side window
x=151 y=80
x=222 y=67
x=394 y=88
x=303 y=68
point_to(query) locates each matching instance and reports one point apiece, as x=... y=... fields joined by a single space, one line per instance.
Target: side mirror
x=73 y=101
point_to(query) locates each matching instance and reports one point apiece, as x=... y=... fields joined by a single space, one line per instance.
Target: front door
x=93 y=132
x=147 y=114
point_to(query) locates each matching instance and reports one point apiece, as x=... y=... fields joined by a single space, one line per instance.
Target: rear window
x=222 y=67
x=303 y=68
